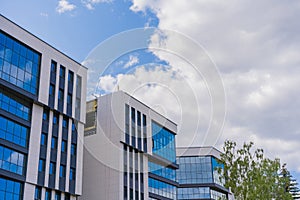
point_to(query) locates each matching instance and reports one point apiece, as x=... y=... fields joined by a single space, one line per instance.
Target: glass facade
x=14 y=107
x=19 y=64
x=12 y=161
x=162 y=189
x=194 y=170
x=193 y=193
x=163 y=142
x=13 y=132
x=10 y=189
x=216 y=174
x=162 y=171
x=199 y=170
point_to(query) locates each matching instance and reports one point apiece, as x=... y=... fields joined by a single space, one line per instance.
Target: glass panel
x=163 y=142
x=19 y=58
x=13 y=132
x=12 y=161
x=14 y=106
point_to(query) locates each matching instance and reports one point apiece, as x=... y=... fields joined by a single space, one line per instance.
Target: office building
x=198 y=176
x=129 y=151
x=42 y=115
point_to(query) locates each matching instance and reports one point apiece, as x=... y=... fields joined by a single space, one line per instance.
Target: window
x=70 y=77
x=64 y=146
x=61 y=95
x=65 y=122
x=44 y=139
x=62 y=72
x=72 y=173
x=55 y=118
x=14 y=106
x=42 y=164
x=62 y=171
x=48 y=194
x=57 y=195
x=51 y=90
x=52 y=168
x=12 y=161
x=46 y=115
x=73 y=149
x=69 y=99
x=13 y=132
x=54 y=142
x=78 y=98
x=163 y=142
x=162 y=188
x=20 y=64
x=38 y=193
x=53 y=67
x=67 y=196
x=10 y=189
x=73 y=127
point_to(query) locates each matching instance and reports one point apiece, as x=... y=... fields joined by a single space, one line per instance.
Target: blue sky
x=87 y=27
x=255 y=46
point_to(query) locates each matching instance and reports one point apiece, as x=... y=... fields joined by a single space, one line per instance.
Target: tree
x=291 y=186
x=250 y=175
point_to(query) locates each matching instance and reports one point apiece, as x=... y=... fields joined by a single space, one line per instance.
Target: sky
x=251 y=47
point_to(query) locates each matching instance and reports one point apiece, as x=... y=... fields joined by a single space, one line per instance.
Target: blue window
x=57 y=195
x=42 y=164
x=62 y=72
x=65 y=122
x=14 y=106
x=44 y=139
x=46 y=115
x=38 y=193
x=55 y=118
x=73 y=149
x=194 y=193
x=163 y=142
x=48 y=194
x=10 y=189
x=52 y=168
x=194 y=170
x=72 y=173
x=62 y=171
x=54 y=142
x=162 y=188
x=53 y=67
x=13 y=132
x=162 y=171
x=64 y=146
x=51 y=90
x=20 y=64
x=12 y=161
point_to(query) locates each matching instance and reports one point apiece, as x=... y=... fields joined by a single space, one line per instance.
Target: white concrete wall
x=34 y=144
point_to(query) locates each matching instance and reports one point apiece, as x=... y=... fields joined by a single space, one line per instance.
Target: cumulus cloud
x=255 y=46
x=90 y=4
x=64 y=6
x=132 y=61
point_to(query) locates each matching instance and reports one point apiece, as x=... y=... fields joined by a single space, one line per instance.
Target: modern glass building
x=197 y=175
x=129 y=151
x=42 y=115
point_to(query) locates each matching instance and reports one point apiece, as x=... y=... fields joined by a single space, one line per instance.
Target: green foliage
x=250 y=175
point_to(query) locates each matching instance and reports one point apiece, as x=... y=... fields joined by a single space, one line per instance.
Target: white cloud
x=132 y=61
x=64 y=6
x=43 y=14
x=90 y=4
x=257 y=57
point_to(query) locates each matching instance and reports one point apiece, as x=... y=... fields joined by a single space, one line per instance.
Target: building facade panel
x=33 y=114
x=118 y=145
